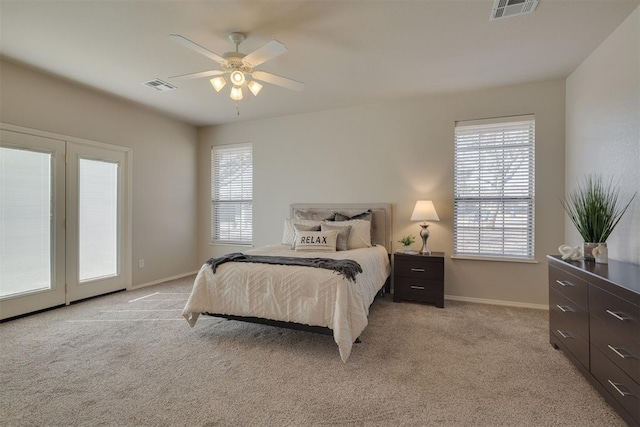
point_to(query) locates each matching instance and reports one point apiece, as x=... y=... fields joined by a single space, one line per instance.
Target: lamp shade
x=424 y=211
x=218 y=83
x=236 y=93
x=254 y=87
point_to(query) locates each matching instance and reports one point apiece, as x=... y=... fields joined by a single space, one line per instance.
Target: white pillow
x=316 y=240
x=289 y=232
x=360 y=234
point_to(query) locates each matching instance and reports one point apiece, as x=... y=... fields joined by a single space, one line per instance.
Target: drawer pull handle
x=621 y=352
x=421 y=270
x=565 y=334
x=617 y=387
x=421 y=288
x=619 y=316
x=564 y=283
x=564 y=308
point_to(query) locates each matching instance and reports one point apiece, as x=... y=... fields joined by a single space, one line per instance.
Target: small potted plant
x=595 y=210
x=406 y=242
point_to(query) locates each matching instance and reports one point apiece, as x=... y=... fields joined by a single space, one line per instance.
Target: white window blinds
x=232 y=194
x=26 y=219
x=494 y=188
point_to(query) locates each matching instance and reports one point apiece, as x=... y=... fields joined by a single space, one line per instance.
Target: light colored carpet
x=129 y=359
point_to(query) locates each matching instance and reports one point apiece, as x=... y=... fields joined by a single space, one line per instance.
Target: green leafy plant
x=407 y=240
x=594 y=209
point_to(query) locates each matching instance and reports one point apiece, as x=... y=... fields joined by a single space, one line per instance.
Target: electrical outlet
x=141 y=263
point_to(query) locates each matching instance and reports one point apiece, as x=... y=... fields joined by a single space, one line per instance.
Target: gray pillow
x=316 y=216
x=366 y=215
x=343 y=234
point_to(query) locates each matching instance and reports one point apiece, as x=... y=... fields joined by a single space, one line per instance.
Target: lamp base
x=424 y=233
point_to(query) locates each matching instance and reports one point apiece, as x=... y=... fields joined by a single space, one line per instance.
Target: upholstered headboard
x=381 y=218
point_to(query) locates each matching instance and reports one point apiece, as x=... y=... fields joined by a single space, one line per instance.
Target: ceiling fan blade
x=196 y=47
x=268 y=51
x=199 y=75
x=278 y=80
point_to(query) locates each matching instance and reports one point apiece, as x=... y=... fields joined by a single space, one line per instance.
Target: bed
x=303 y=297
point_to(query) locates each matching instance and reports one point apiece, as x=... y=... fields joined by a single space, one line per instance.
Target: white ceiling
x=347 y=52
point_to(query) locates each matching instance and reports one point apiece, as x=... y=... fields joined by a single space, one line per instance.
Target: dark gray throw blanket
x=348 y=268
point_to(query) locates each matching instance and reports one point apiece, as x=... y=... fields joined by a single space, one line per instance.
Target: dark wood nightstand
x=419 y=277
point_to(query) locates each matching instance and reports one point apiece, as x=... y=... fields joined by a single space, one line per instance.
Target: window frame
x=243 y=202
x=513 y=206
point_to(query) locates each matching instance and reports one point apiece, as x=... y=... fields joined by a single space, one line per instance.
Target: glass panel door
x=31 y=223
x=97 y=258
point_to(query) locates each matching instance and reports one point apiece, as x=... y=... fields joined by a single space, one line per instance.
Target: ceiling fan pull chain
x=237 y=109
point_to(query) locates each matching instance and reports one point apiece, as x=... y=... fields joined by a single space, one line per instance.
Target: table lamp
x=424 y=211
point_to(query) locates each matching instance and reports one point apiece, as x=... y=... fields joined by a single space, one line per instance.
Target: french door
x=32 y=229
x=95 y=216
x=64 y=221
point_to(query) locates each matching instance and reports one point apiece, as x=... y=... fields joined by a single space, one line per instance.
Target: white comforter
x=306 y=295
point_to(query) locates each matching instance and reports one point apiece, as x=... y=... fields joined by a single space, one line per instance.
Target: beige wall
x=398 y=153
x=603 y=129
x=164 y=160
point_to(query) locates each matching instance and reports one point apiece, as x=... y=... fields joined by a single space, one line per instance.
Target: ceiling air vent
x=506 y=8
x=159 y=85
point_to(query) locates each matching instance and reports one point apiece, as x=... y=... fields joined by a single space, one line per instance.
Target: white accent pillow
x=360 y=234
x=316 y=240
x=289 y=232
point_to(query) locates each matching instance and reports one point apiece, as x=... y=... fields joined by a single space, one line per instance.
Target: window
x=232 y=194
x=494 y=188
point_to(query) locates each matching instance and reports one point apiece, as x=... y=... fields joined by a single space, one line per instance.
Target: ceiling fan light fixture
x=239 y=68
x=236 y=93
x=254 y=87
x=237 y=78
x=218 y=83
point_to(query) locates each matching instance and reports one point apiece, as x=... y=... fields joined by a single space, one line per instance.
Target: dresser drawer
x=574 y=288
x=622 y=352
x=617 y=383
x=617 y=314
x=419 y=267
x=570 y=324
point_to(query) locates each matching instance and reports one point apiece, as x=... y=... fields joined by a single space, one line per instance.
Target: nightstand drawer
x=418 y=290
x=419 y=267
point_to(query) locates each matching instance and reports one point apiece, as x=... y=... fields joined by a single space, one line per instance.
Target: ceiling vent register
x=506 y=8
x=159 y=85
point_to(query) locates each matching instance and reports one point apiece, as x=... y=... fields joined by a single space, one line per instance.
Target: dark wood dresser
x=594 y=318
x=419 y=277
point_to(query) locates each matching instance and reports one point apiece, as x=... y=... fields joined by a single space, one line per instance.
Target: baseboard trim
x=447 y=297
x=497 y=302
x=166 y=279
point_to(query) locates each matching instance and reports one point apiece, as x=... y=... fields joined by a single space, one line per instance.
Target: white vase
x=406 y=248
x=601 y=253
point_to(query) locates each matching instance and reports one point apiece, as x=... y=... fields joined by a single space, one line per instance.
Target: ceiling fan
x=240 y=67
